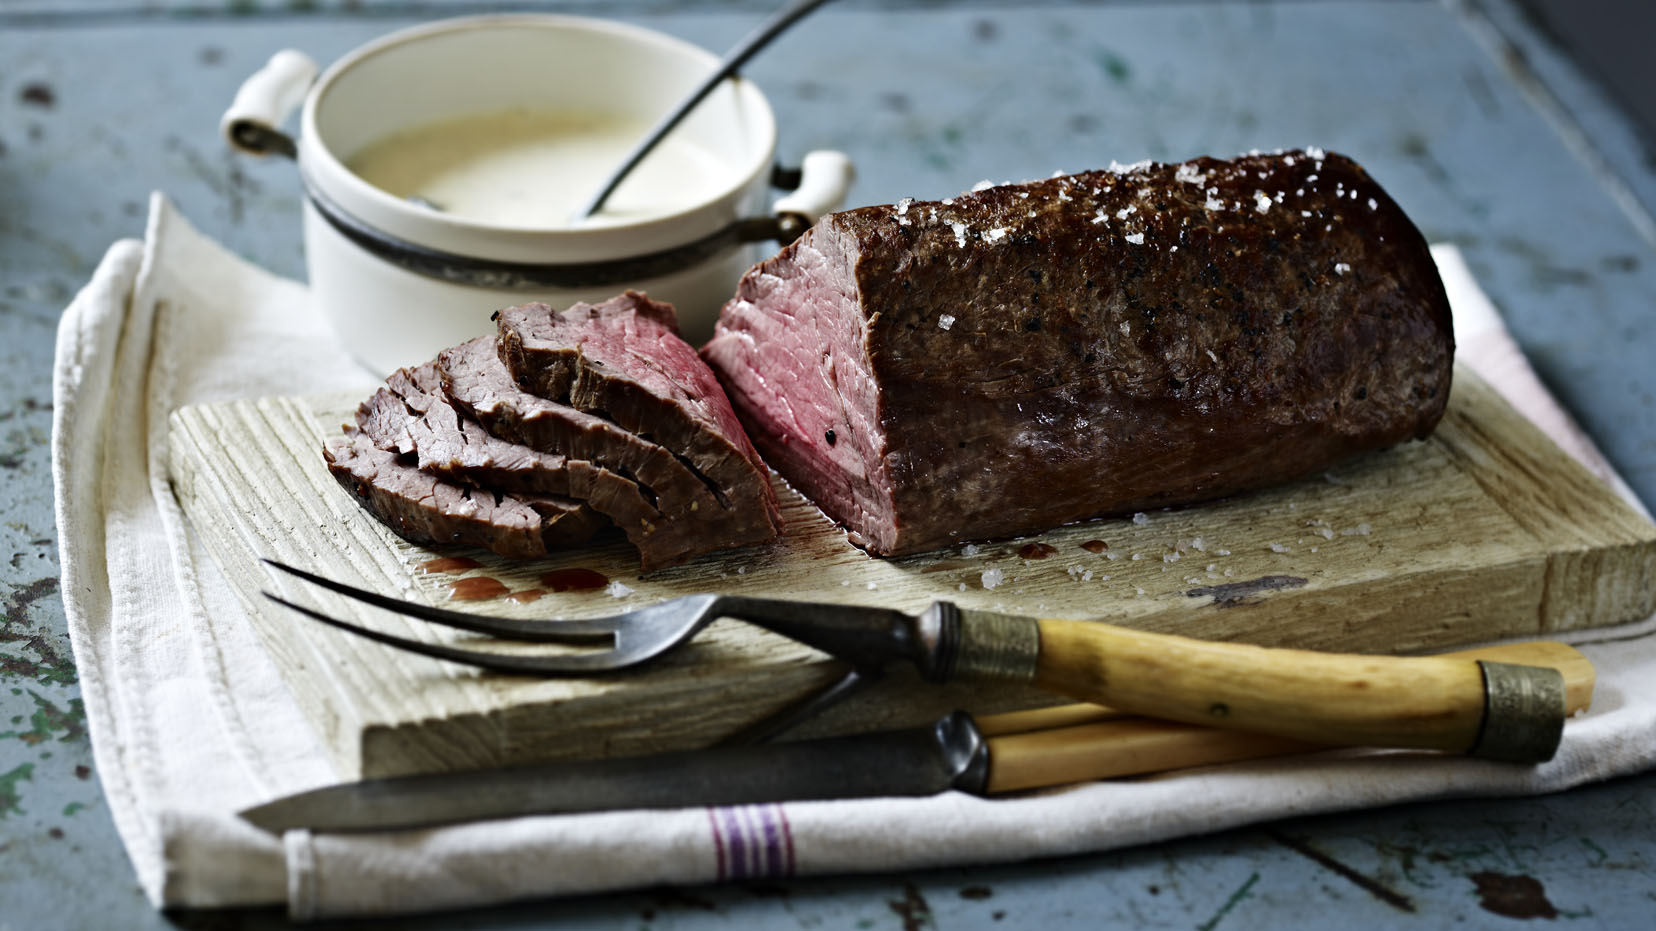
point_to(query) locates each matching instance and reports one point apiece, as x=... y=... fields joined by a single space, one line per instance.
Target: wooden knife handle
x=1427 y=702
x=1081 y=743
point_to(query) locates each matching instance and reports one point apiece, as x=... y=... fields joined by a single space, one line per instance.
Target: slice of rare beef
x=411 y=411
x=624 y=360
x=1029 y=355
x=423 y=508
x=477 y=383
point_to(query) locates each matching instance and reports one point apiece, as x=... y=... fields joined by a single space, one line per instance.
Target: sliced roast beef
x=699 y=517
x=624 y=360
x=1029 y=355
x=411 y=412
x=423 y=508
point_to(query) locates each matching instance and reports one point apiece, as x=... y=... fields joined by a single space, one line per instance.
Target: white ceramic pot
x=399 y=281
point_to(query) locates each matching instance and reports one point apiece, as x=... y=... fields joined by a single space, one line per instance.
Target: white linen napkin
x=190 y=720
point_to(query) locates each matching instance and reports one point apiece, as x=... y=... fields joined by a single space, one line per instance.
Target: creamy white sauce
x=534 y=168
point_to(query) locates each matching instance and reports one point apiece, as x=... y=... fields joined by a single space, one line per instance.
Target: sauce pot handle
x=265 y=101
x=824 y=177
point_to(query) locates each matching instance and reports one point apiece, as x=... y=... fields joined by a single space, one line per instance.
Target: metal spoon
x=733 y=60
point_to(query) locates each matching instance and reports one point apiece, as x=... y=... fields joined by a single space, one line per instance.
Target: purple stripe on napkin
x=718 y=840
x=752 y=842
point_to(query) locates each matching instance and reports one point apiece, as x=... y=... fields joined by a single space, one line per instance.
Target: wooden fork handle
x=1450 y=703
x=1080 y=743
x=1578 y=672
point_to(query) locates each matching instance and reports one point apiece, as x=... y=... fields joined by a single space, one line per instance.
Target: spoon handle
x=733 y=60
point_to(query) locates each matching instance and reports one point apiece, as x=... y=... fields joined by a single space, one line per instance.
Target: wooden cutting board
x=1486 y=530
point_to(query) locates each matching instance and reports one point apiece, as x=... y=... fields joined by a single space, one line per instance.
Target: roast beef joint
x=1030 y=355
x=931 y=373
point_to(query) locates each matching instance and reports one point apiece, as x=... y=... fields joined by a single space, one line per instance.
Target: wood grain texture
x=1485 y=531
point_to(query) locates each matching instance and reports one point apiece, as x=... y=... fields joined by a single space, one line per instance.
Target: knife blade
x=995 y=754
x=950 y=753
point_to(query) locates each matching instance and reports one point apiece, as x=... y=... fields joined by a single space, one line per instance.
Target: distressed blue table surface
x=1485 y=135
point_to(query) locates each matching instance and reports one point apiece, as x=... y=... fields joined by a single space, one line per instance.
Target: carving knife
x=999 y=753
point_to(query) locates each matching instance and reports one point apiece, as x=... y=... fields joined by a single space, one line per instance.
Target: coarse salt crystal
x=873 y=585
x=1140 y=518
x=963 y=586
x=1327 y=533
x=1262 y=201
x=1099 y=217
x=944 y=321
x=1137 y=589
x=993 y=577
x=1374 y=204
x=983 y=185
x=970 y=549
x=1125 y=212
x=1198 y=545
x=1361 y=530
x=1316 y=152
x=1189 y=175
x=1341 y=268
x=1136 y=239
x=996 y=235
x=1278 y=548
x=960 y=233
x=1126 y=328
x=1137 y=556
x=618 y=590
x=1224 y=552
x=1214 y=203
x=904 y=205
x=948 y=201
x=1209 y=352
x=1170 y=557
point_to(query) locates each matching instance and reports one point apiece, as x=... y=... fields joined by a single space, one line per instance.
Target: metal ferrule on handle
x=980 y=644
x=1524 y=711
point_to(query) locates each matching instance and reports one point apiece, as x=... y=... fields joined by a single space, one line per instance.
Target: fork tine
x=571 y=664
x=600 y=629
